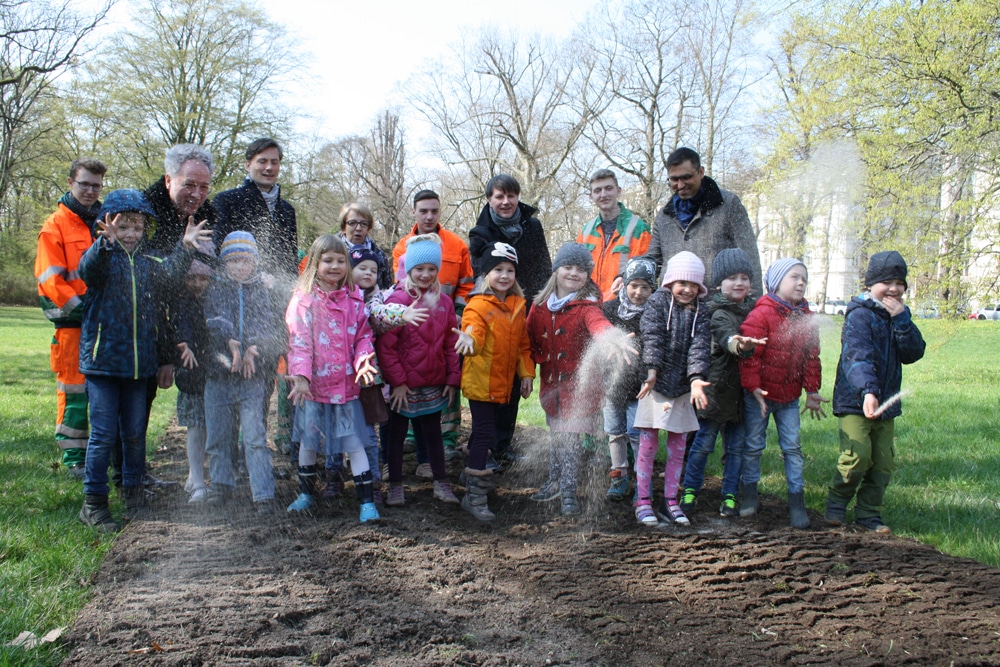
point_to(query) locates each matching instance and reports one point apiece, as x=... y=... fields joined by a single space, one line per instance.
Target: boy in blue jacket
x=118 y=344
x=877 y=339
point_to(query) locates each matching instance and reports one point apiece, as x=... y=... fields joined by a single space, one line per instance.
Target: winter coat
x=421 y=356
x=169 y=229
x=534 y=265
x=558 y=343
x=327 y=333
x=874 y=347
x=455 y=274
x=187 y=323
x=61 y=243
x=676 y=342
x=244 y=209
x=122 y=310
x=725 y=393
x=501 y=347
x=721 y=222
x=249 y=312
x=627 y=385
x=789 y=362
x=630 y=239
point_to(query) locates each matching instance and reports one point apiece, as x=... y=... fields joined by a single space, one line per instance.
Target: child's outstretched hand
x=247 y=366
x=399 y=397
x=234 y=350
x=300 y=389
x=759 y=395
x=366 y=370
x=648 y=385
x=527 y=384
x=415 y=316
x=465 y=343
x=628 y=353
x=108 y=228
x=747 y=344
x=698 y=398
x=814 y=404
x=187 y=356
x=195 y=234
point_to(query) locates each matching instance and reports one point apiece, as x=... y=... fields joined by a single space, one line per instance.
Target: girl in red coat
x=773 y=380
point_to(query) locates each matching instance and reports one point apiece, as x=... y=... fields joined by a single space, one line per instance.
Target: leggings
x=649 y=443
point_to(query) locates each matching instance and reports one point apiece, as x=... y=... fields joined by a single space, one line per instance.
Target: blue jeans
x=117 y=419
x=231 y=404
x=786 y=418
x=733 y=440
x=620 y=419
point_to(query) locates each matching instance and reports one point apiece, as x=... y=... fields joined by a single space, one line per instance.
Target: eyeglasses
x=357 y=223
x=84 y=185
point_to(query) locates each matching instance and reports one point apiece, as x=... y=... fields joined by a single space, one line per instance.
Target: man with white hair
x=182 y=193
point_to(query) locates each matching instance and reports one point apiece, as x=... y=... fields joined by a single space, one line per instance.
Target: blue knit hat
x=239 y=244
x=423 y=249
x=778 y=270
x=125 y=200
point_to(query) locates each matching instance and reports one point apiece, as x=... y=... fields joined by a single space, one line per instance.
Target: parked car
x=988 y=313
x=835 y=307
x=927 y=311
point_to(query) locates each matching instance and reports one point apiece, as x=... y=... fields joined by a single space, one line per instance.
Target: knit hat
x=198 y=267
x=729 y=262
x=885 y=265
x=494 y=254
x=778 y=270
x=125 y=200
x=640 y=268
x=423 y=250
x=359 y=255
x=239 y=244
x=574 y=254
x=686 y=266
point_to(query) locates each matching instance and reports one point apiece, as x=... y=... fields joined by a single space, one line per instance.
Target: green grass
x=47 y=557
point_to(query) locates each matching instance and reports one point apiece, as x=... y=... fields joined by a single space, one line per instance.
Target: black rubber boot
x=836 y=512
x=95 y=513
x=136 y=502
x=797 y=517
x=307 y=479
x=749 y=502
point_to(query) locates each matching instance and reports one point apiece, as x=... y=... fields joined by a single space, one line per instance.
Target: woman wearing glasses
x=356 y=222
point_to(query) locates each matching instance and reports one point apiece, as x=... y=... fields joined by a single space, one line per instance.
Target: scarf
x=270 y=198
x=88 y=215
x=510 y=227
x=626 y=309
x=686 y=209
x=796 y=310
x=556 y=304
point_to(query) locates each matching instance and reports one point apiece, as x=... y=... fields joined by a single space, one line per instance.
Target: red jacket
x=789 y=362
x=424 y=355
x=558 y=343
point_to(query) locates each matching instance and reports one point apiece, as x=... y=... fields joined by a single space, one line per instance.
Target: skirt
x=679 y=418
x=425 y=401
x=190 y=409
x=330 y=429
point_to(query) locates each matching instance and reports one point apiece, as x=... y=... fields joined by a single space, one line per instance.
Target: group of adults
x=700 y=217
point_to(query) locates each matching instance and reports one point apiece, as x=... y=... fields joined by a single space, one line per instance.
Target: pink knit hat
x=686 y=266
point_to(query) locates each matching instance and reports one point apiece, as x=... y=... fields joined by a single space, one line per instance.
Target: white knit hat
x=686 y=266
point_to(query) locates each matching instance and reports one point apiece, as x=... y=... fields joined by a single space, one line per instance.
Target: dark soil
x=430 y=585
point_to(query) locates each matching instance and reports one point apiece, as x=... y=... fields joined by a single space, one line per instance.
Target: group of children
x=684 y=365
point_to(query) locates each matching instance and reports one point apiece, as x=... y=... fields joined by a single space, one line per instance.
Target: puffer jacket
x=676 y=342
x=121 y=312
x=534 y=264
x=559 y=341
x=249 y=312
x=501 y=347
x=789 y=362
x=422 y=356
x=874 y=347
x=622 y=389
x=327 y=333
x=725 y=394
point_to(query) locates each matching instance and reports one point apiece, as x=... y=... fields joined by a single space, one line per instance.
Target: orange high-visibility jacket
x=631 y=239
x=456 y=276
x=61 y=243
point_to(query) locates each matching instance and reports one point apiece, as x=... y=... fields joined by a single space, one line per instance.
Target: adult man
x=180 y=194
x=701 y=218
x=257 y=207
x=65 y=236
x=615 y=236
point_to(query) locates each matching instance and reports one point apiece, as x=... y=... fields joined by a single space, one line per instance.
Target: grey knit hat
x=885 y=265
x=574 y=254
x=730 y=262
x=640 y=268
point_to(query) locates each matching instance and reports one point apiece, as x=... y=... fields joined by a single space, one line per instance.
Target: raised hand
x=415 y=316
x=746 y=343
x=195 y=234
x=108 y=228
x=465 y=343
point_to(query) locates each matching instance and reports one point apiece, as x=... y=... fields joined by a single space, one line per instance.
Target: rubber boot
x=836 y=512
x=95 y=513
x=307 y=489
x=797 y=510
x=365 y=486
x=477 y=487
x=749 y=501
x=136 y=502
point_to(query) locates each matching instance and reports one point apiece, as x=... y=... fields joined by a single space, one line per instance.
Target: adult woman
x=356 y=221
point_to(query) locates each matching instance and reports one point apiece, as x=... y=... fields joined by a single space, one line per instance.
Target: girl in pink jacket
x=330 y=352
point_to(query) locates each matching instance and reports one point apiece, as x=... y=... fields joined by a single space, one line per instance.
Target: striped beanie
x=778 y=270
x=239 y=244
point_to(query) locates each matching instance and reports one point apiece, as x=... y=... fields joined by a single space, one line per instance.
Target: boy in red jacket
x=773 y=380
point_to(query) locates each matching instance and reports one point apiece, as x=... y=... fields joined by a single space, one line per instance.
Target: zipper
x=97 y=343
x=135 y=322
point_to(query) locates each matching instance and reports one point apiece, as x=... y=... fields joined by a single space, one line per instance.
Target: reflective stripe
x=69 y=432
x=73 y=302
x=71 y=388
x=53 y=313
x=623 y=259
x=74 y=443
x=467 y=280
x=51 y=271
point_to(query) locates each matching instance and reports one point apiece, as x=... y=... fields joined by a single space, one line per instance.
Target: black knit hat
x=359 y=255
x=494 y=254
x=730 y=262
x=885 y=265
x=640 y=268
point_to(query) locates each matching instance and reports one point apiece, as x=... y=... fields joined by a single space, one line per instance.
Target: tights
x=649 y=443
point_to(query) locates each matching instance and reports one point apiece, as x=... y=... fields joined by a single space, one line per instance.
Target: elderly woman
x=356 y=221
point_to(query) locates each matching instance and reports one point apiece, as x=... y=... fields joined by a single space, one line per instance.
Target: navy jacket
x=874 y=347
x=187 y=320
x=244 y=209
x=249 y=312
x=676 y=341
x=623 y=387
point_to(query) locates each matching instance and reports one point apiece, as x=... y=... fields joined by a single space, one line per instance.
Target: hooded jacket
x=534 y=265
x=249 y=312
x=676 y=342
x=725 y=393
x=501 y=347
x=789 y=362
x=624 y=388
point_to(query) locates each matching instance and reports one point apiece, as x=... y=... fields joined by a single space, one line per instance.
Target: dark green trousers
x=864 y=468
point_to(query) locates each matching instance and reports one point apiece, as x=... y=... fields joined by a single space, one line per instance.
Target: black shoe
x=219 y=495
x=77 y=471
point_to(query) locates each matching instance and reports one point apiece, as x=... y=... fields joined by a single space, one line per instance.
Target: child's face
x=570 y=279
x=735 y=287
x=331 y=270
x=893 y=288
x=240 y=268
x=196 y=283
x=365 y=274
x=130 y=229
x=684 y=291
x=424 y=276
x=793 y=286
x=501 y=278
x=638 y=292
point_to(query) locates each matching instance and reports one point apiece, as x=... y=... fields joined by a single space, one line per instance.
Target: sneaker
x=549 y=491
x=385 y=471
x=836 y=513
x=265 y=507
x=302 y=503
x=369 y=513
x=77 y=471
x=874 y=524
x=443 y=492
x=671 y=511
x=198 y=496
x=729 y=508
x=570 y=506
x=645 y=515
x=395 y=498
x=620 y=486
x=688 y=499
x=424 y=470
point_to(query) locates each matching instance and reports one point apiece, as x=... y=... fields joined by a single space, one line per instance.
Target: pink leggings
x=649 y=443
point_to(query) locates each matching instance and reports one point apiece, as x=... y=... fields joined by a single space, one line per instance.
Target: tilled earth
x=429 y=585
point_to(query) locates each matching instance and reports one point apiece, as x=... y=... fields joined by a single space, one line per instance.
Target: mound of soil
x=429 y=585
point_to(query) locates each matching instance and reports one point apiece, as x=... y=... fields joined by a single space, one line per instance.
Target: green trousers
x=864 y=468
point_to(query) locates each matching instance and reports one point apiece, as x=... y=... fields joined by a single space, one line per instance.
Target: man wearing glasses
x=181 y=193
x=64 y=237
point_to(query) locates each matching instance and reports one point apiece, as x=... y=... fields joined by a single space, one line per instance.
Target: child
x=330 y=349
x=625 y=312
x=676 y=350
x=496 y=347
x=773 y=379
x=187 y=312
x=877 y=339
x=421 y=366
x=117 y=346
x=245 y=334
x=732 y=271
x=565 y=318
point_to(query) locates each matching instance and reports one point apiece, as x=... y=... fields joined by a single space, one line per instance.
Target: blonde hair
x=432 y=295
x=588 y=291
x=483 y=285
x=325 y=243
